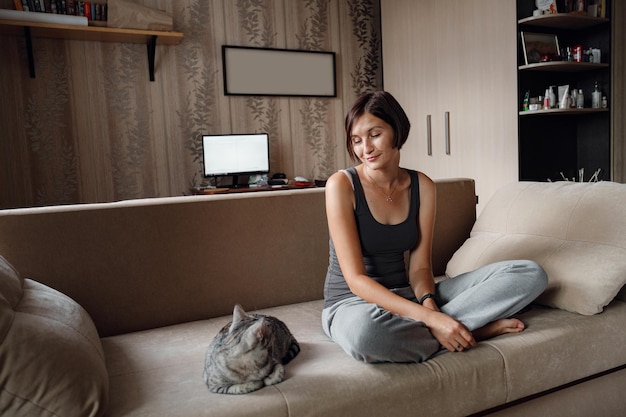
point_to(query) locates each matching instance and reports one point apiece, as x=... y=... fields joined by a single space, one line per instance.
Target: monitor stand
x=235 y=183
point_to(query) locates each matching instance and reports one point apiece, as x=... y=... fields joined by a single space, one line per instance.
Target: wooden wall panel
x=91 y=127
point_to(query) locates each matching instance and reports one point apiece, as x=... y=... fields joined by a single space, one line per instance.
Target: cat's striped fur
x=248 y=353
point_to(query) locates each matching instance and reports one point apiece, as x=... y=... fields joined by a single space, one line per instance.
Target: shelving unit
x=32 y=30
x=557 y=141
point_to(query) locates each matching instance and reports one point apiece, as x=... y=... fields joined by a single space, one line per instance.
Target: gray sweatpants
x=371 y=334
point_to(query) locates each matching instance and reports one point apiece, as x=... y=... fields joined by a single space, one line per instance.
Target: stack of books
x=94 y=11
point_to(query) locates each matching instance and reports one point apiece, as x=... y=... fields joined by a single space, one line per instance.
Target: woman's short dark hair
x=384 y=106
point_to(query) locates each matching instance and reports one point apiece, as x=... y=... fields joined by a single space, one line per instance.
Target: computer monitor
x=235 y=154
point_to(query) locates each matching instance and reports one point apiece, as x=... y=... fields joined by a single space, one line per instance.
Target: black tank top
x=383 y=246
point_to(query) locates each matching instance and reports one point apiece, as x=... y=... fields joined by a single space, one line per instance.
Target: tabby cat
x=248 y=353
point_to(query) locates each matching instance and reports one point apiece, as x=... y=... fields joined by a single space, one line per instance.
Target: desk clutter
x=214 y=190
x=260 y=183
x=279 y=179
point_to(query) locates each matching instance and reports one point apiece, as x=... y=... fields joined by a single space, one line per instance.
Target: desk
x=209 y=191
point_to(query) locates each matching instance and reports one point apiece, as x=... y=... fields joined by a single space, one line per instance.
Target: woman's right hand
x=450 y=333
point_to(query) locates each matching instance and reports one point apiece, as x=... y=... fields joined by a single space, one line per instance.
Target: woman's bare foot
x=498 y=327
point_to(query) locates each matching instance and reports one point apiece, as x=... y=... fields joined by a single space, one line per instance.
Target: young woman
x=376 y=309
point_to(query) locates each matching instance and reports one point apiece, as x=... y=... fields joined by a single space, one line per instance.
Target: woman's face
x=373 y=141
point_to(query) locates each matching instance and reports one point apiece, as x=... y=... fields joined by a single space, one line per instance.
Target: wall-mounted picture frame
x=539 y=47
x=252 y=71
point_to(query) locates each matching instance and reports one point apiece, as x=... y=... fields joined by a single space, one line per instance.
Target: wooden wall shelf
x=563 y=21
x=88 y=33
x=563 y=66
x=546 y=112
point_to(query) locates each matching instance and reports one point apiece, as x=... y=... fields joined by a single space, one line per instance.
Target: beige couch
x=158 y=277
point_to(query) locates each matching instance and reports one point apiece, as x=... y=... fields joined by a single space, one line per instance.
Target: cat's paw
x=239 y=388
x=277 y=375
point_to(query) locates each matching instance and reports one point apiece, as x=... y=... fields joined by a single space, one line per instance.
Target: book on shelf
x=602 y=8
x=94 y=11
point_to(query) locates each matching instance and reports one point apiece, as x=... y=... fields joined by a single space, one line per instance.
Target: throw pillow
x=575 y=231
x=52 y=359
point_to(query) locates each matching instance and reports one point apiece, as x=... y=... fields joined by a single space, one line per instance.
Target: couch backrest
x=456 y=214
x=147 y=263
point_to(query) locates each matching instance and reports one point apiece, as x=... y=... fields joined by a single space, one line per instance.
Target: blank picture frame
x=252 y=71
x=537 y=45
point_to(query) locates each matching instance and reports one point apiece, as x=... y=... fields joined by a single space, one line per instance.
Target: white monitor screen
x=236 y=154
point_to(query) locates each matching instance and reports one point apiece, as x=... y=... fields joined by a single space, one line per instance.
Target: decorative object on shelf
x=581 y=176
x=125 y=14
x=546 y=6
x=540 y=47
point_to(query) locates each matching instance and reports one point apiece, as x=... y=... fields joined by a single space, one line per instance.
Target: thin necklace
x=389 y=198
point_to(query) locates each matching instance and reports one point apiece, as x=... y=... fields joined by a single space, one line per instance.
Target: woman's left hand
x=450 y=333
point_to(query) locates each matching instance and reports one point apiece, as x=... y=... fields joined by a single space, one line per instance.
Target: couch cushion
x=52 y=359
x=575 y=231
x=158 y=372
x=559 y=347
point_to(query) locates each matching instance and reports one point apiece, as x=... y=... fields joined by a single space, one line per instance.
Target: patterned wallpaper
x=91 y=127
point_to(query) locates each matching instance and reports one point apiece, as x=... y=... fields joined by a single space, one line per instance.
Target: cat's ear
x=258 y=329
x=238 y=315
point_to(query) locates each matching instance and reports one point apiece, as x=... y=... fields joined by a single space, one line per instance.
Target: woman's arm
x=420 y=260
x=449 y=332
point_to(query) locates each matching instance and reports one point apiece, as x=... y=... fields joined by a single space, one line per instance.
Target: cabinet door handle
x=429 y=136
x=447 y=116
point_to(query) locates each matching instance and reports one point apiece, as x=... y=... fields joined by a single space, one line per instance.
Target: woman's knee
x=537 y=271
x=365 y=340
x=535 y=275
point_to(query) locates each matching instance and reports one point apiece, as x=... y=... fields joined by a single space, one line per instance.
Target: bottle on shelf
x=580 y=99
x=553 y=102
x=564 y=97
x=526 y=104
x=577 y=53
x=595 y=97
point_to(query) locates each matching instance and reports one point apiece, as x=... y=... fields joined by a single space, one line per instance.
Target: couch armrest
x=456 y=214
